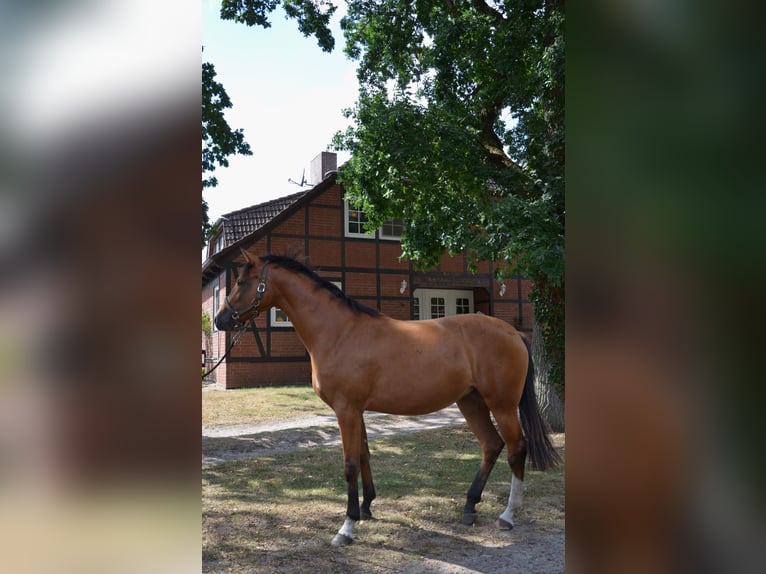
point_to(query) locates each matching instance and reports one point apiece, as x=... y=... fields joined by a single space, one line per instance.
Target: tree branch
x=494 y=147
x=490 y=141
x=485 y=8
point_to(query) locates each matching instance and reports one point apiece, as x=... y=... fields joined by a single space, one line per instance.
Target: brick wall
x=325 y=253
x=325 y=222
x=389 y=256
x=296 y=224
x=361 y=285
x=244 y=374
x=215 y=344
x=361 y=253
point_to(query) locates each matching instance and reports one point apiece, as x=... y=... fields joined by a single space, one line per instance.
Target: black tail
x=541 y=452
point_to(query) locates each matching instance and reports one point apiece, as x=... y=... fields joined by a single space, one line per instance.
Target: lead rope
x=256 y=302
x=231 y=346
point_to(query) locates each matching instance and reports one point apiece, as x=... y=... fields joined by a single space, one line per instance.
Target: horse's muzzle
x=224 y=321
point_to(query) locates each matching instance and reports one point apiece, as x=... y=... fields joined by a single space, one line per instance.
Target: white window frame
x=450 y=296
x=279 y=324
x=216 y=304
x=361 y=235
x=216 y=243
x=287 y=322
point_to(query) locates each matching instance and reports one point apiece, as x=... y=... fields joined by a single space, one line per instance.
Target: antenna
x=303 y=179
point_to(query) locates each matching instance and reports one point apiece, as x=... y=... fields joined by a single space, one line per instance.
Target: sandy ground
x=533 y=551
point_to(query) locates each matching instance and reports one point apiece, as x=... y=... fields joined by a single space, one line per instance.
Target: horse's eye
x=240 y=281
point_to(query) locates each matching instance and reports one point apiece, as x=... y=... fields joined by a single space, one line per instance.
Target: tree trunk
x=551 y=405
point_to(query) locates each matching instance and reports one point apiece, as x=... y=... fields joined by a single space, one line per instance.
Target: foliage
x=219 y=141
x=458 y=130
x=207 y=325
x=313 y=16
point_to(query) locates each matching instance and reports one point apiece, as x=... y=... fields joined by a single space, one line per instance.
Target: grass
x=250 y=406
x=278 y=513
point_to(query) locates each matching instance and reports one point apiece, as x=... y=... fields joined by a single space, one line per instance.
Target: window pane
x=356 y=220
x=416 y=309
x=280 y=316
x=437 y=307
x=462 y=306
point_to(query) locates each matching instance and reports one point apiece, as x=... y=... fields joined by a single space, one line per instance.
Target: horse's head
x=247 y=298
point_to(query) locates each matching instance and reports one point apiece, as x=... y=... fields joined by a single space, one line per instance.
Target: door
x=436 y=303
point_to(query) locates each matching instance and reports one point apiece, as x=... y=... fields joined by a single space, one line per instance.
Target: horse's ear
x=246 y=255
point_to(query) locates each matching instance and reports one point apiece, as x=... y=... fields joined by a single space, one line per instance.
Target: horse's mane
x=297 y=267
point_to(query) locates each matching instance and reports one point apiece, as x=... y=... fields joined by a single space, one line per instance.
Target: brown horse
x=363 y=360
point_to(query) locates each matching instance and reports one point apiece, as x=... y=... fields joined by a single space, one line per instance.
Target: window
x=216 y=304
x=462 y=306
x=355 y=221
x=392 y=229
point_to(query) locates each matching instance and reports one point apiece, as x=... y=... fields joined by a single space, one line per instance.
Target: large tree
x=459 y=131
x=219 y=141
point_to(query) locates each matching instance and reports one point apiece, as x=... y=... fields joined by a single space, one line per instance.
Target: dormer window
x=217 y=244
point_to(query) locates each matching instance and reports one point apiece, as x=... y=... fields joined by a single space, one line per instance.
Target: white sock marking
x=347 y=529
x=515 y=499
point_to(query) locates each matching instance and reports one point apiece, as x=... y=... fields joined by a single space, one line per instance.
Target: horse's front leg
x=350 y=424
x=368 y=488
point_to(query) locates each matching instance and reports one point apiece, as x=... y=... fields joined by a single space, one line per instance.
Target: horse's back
x=487 y=334
x=481 y=336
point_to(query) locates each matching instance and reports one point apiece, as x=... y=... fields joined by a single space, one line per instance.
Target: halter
x=260 y=290
x=241 y=328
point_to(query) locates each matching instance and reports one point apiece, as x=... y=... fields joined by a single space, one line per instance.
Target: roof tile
x=243 y=222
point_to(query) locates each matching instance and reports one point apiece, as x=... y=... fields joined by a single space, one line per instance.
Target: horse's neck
x=306 y=305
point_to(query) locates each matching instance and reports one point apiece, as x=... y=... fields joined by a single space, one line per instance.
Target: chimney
x=322 y=164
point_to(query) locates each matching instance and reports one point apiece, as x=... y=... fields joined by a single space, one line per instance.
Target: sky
x=287 y=96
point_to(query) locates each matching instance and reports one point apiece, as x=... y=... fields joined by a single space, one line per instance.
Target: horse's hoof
x=469 y=518
x=341 y=540
x=504 y=524
x=366 y=515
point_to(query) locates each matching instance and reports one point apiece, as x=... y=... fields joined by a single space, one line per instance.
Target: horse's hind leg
x=510 y=429
x=368 y=488
x=476 y=414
